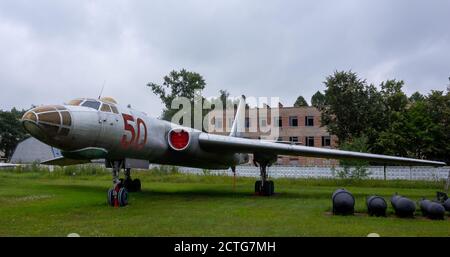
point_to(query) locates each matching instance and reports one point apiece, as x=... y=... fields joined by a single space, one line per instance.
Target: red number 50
x=134 y=140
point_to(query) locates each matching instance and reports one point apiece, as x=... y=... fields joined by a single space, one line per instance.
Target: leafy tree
x=392 y=105
x=415 y=97
x=224 y=96
x=438 y=110
x=11 y=130
x=390 y=122
x=347 y=101
x=351 y=169
x=181 y=83
x=394 y=99
x=300 y=102
x=318 y=100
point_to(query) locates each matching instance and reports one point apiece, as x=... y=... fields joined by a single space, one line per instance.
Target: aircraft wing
x=63 y=161
x=221 y=143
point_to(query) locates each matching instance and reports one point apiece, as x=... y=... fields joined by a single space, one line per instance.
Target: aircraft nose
x=47 y=123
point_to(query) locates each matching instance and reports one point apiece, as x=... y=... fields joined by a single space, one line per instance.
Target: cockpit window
x=91 y=104
x=114 y=109
x=75 y=102
x=105 y=108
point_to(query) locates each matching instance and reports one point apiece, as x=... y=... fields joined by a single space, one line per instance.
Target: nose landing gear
x=118 y=194
x=133 y=185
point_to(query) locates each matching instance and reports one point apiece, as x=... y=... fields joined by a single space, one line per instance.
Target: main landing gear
x=264 y=187
x=118 y=194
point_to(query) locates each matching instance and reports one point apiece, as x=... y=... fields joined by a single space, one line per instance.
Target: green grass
x=36 y=202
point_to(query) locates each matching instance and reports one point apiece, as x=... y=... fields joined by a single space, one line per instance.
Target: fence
x=375 y=172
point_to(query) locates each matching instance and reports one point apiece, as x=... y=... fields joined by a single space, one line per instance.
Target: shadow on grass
x=200 y=192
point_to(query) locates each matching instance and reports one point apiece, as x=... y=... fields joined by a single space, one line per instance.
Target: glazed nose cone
x=47 y=123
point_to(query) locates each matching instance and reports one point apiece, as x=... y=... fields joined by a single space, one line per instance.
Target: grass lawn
x=39 y=203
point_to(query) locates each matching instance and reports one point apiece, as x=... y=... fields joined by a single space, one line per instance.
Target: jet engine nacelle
x=185 y=150
x=179 y=139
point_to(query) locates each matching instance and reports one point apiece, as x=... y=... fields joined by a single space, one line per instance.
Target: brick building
x=295 y=125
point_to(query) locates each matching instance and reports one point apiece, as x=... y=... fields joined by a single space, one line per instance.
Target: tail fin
x=239 y=120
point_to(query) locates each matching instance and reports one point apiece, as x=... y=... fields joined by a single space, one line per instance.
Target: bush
x=164 y=170
x=351 y=173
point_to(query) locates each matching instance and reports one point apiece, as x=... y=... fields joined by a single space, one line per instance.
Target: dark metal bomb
x=343 y=202
x=403 y=206
x=376 y=205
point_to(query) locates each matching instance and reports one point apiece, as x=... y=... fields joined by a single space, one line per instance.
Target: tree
x=390 y=122
x=347 y=101
x=300 y=102
x=416 y=96
x=448 y=86
x=224 y=97
x=392 y=104
x=181 y=83
x=351 y=169
x=11 y=130
x=318 y=100
x=394 y=99
x=438 y=110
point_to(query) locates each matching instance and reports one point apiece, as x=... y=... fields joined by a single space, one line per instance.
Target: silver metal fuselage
x=133 y=134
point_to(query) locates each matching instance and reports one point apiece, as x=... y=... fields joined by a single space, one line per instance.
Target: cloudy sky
x=53 y=51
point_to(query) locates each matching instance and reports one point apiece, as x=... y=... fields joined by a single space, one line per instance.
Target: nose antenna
x=101 y=91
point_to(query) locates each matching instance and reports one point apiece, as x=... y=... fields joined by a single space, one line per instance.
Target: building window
x=309 y=141
x=263 y=122
x=247 y=122
x=219 y=123
x=278 y=121
x=293 y=139
x=293 y=121
x=326 y=141
x=230 y=122
x=309 y=121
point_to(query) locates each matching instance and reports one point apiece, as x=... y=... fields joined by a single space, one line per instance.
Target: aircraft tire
x=137 y=185
x=258 y=187
x=267 y=188
x=129 y=185
x=272 y=187
x=123 y=197
x=111 y=197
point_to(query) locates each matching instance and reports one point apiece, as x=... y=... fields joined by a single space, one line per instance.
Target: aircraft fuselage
x=121 y=132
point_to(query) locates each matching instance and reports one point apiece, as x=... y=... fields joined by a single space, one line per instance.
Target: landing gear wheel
x=111 y=197
x=258 y=187
x=132 y=185
x=267 y=189
x=129 y=185
x=272 y=187
x=137 y=185
x=123 y=197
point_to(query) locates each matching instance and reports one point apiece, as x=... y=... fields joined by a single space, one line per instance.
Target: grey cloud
x=261 y=48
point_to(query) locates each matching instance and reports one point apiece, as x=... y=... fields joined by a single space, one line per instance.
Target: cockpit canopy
x=105 y=104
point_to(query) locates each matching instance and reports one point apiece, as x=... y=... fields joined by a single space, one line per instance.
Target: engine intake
x=179 y=139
